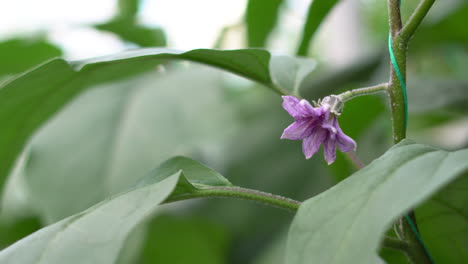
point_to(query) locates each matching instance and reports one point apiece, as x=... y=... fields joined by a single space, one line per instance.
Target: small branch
x=241 y=193
x=395 y=244
x=415 y=20
x=348 y=95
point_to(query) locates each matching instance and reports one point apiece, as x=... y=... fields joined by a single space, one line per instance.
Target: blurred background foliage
x=114 y=133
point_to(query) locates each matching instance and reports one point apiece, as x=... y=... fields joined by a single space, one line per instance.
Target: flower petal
x=297 y=109
x=298 y=130
x=329 y=150
x=345 y=143
x=311 y=144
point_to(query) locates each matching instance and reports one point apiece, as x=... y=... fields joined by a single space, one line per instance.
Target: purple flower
x=316 y=126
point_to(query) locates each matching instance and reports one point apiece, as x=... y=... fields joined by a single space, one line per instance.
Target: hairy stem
x=407 y=229
x=394 y=86
x=241 y=193
x=348 y=95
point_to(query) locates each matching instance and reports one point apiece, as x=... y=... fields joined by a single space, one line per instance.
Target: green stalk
x=348 y=95
x=406 y=229
x=241 y=193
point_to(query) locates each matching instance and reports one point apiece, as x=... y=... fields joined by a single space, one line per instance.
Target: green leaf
x=11 y=232
x=445 y=30
x=181 y=240
x=433 y=94
x=346 y=223
x=97 y=234
x=443 y=223
x=288 y=72
x=197 y=175
x=318 y=10
x=128 y=8
x=113 y=133
x=129 y=31
x=32 y=98
x=19 y=55
x=260 y=18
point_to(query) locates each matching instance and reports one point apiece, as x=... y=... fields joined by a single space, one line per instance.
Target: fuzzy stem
x=348 y=95
x=241 y=193
x=416 y=251
x=394 y=86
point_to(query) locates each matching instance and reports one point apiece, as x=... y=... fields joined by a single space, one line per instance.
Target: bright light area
x=188 y=24
x=192 y=24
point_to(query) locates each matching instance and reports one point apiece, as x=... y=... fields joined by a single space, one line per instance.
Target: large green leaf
x=346 y=223
x=32 y=98
x=318 y=10
x=118 y=131
x=443 y=222
x=260 y=18
x=97 y=234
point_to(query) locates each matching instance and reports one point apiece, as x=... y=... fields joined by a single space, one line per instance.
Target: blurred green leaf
x=97 y=234
x=21 y=54
x=446 y=29
x=45 y=89
x=135 y=33
x=118 y=131
x=11 y=232
x=318 y=10
x=362 y=207
x=443 y=222
x=434 y=94
x=289 y=72
x=125 y=25
x=260 y=18
x=128 y=8
x=181 y=240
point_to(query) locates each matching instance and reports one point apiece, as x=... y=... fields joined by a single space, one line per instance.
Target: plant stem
x=348 y=95
x=395 y=244
x=415 y=20
x=241 y=193
x=416 y=251
x=394 y=85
